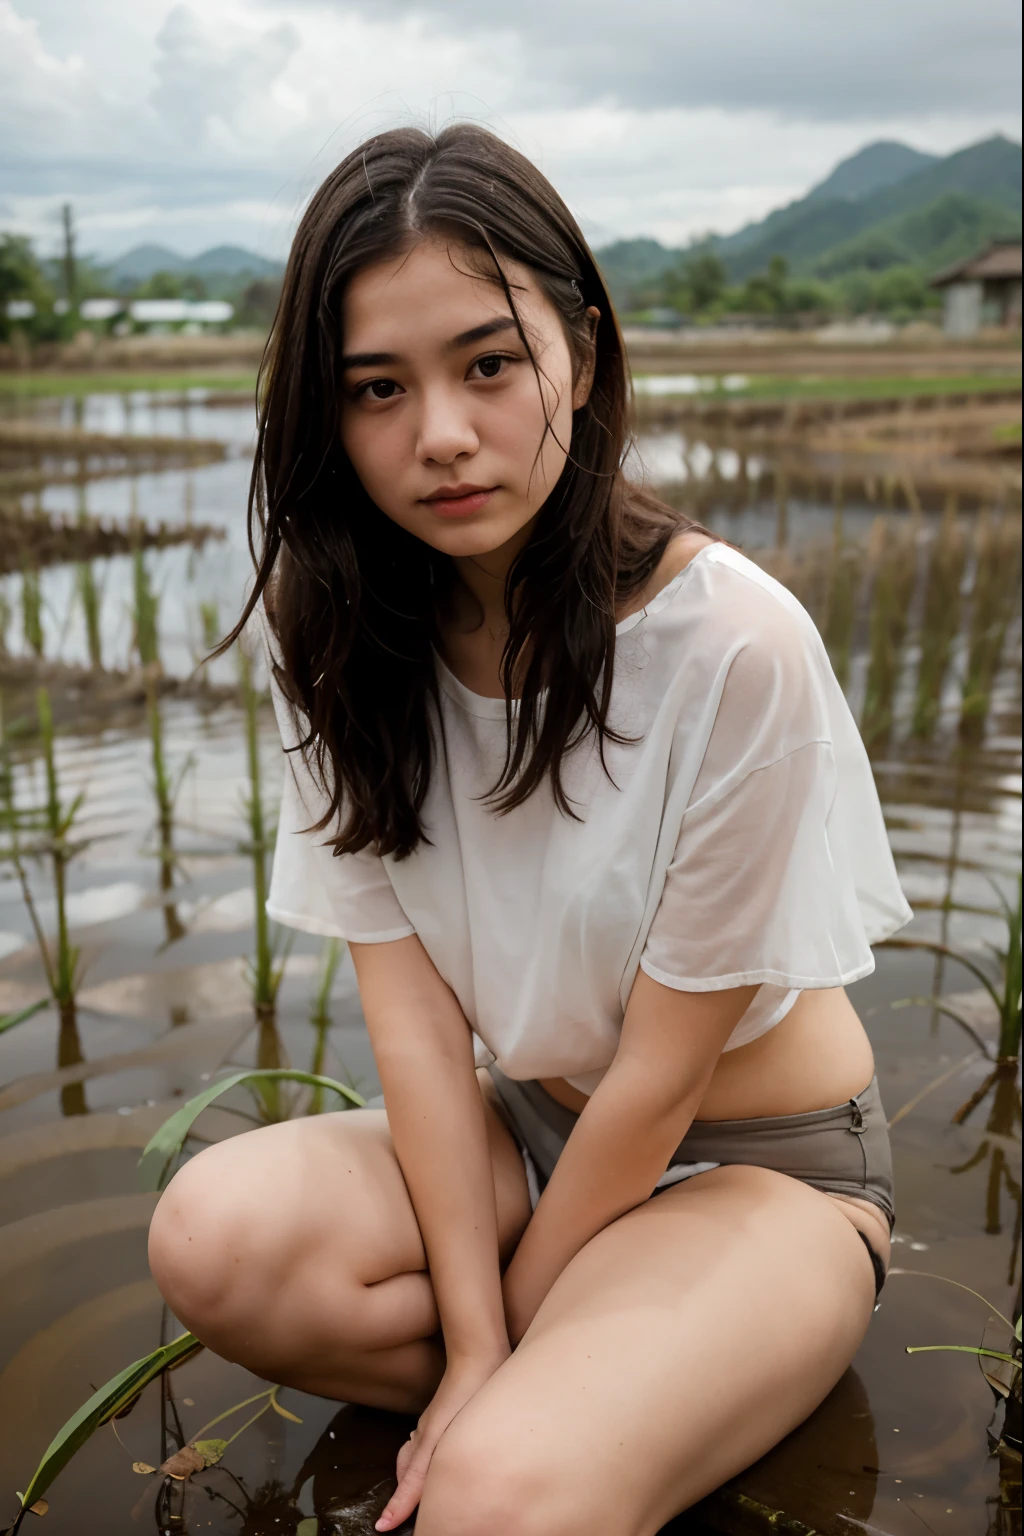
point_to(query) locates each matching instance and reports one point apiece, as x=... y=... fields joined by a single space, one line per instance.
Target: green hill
x=988 y=172
x=888 y=206
x=936 y=236
x=225 y=261
x=630 y=265
x=871 y=168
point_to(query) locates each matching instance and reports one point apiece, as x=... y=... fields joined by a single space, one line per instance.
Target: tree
x=903 y=291
x=162 y=285
x=765 y=294
x=21 y=277
x=704 y=278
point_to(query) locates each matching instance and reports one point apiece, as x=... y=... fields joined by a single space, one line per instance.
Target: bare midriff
x=817 y=1057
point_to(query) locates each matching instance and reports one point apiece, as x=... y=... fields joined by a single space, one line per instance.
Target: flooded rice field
x=133 y=972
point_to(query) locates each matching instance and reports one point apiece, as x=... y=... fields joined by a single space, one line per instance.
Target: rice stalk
x=993 y=600
x=91 y=600
x=32 y=611
x=893 y=567
x=940 y=622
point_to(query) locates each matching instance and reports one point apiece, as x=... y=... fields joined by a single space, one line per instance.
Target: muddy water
x=919 y=613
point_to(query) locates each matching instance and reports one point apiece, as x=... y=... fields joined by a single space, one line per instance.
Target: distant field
x=780 y=387
x=701 y=382
x=17 y=384
x=870 y=388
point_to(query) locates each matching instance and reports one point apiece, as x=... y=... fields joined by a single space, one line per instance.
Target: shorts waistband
x=843 y=1149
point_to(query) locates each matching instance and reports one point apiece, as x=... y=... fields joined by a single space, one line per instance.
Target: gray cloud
x=811 y=59
x=210 y=119
x=199 y=78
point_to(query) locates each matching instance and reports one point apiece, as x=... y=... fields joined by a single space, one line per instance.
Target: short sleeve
x=781 y=874
x=349 y=896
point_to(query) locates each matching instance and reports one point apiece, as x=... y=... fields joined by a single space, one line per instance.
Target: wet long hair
x=352 y=599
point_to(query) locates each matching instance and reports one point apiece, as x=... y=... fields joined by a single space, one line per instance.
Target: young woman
x=577 y=784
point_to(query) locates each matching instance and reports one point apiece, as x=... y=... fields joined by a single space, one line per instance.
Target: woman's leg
x=677 y=1347
x=294 y=1250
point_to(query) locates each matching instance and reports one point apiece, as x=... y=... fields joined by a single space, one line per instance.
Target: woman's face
x=442 y=416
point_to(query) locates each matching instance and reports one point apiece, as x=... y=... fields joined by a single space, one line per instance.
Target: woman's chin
x=464 y=538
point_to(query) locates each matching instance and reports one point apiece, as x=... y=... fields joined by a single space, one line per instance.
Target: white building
x=180 y=311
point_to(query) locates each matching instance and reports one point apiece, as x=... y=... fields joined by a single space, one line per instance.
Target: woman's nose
x=446 y=431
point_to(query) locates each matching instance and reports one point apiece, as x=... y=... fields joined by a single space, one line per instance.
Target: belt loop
x=858 y=1128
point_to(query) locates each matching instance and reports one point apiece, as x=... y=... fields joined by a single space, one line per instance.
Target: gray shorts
x=842 y=1151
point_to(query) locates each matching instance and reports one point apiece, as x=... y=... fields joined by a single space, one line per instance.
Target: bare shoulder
x=679 y=551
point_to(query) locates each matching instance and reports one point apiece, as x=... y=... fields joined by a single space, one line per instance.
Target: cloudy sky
x=198 y=123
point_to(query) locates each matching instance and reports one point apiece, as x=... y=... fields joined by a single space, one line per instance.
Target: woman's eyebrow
x=481 y=333
x=464 y=339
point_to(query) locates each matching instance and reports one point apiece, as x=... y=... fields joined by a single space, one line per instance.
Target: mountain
x=871 y=168
x=804 y=231
x=231 y=261
x=942 y=232
x=629 y=264
x=139 y=264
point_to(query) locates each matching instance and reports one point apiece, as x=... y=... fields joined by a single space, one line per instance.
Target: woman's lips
x=463 y=504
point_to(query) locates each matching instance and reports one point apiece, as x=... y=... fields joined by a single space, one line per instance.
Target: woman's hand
x=461 y=1381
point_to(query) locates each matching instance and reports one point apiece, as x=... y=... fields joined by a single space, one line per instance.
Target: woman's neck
x=484 y=576
x=474 y=636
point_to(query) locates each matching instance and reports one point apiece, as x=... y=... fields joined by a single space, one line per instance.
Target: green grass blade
x=102 y=1406
x=10 y=1019
x=950 y=1013
x=162 y=1149
x=929 y=1274
x=959 y=1349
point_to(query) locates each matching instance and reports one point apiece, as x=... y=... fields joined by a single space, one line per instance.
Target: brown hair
x=353 y=599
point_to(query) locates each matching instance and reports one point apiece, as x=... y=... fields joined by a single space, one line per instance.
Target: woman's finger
x=404 y=1455
x=408 y=1493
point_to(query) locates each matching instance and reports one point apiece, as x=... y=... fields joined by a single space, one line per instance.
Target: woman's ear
x=585 y=377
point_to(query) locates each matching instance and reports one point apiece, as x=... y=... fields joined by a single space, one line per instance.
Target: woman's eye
x=378 y=389
x=490 y=367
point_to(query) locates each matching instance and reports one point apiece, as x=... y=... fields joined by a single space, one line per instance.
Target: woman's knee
x=201 y=1238
x=241 y=1236
x=490 y=1477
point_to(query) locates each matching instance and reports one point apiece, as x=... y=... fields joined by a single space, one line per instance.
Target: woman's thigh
x=681 y=1344
x=294 y=1250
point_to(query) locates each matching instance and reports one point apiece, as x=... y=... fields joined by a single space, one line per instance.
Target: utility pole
x=68 y=259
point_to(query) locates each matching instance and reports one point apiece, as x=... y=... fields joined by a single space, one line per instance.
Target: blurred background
x=809 y=217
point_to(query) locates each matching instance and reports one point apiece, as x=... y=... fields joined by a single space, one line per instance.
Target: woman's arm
x=622 y=1142
x=423 y=1047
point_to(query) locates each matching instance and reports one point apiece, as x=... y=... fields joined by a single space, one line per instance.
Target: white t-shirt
x=739 y=840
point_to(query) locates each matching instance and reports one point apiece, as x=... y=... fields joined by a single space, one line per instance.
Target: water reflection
x=999 y=1149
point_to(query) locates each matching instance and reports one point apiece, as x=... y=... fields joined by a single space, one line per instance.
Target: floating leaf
x=158 y=1157
x=292 y=1417
x=106 y=1402
x=143 y=1467
x=183 y=1463
x=40 y=1507
x=210 y=1450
